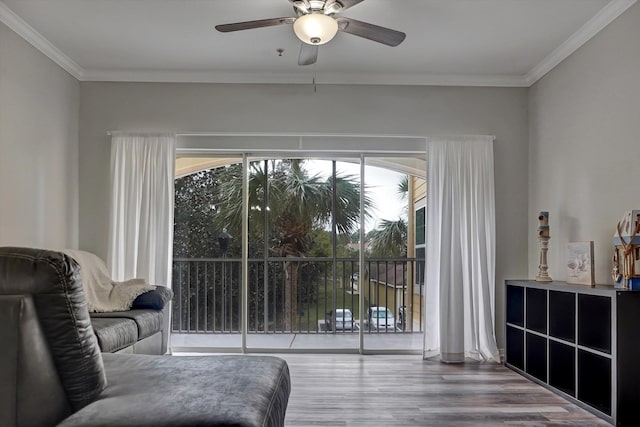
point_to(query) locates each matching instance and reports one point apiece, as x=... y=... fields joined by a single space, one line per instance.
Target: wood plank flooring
x=405 y=391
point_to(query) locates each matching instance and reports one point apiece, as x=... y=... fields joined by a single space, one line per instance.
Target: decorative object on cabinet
x=580 y=265
x=543 y=240
x=626 y=256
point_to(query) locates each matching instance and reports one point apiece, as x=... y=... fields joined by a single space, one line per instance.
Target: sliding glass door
x=298 y=274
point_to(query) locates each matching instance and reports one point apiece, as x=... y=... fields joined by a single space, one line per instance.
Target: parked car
x=342 y=318
x=381 y=318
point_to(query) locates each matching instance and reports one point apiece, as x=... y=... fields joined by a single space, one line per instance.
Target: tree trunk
x=291 y=296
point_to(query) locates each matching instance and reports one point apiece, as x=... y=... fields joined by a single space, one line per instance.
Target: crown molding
x=170 y=76
x=166 y=76
x=27 y=32
x=604 y=17
x=423 y=79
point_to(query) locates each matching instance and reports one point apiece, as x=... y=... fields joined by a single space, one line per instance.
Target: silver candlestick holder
x=543 y=241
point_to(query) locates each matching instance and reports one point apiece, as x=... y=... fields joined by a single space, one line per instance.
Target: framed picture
x=580 y=263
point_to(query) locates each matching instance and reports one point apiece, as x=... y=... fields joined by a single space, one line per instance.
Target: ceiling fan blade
x=237 y=26
x=372 y=32
x=308 y=54
x=346 y=4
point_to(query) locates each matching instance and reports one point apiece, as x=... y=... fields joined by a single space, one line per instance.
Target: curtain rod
x=115 y=132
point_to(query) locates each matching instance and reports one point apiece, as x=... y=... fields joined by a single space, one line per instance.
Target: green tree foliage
x=290 y=216
x=290 y=209
x=403 y=188
x=297 y=204
x=389 y=239
x=207 y=294
x=197 y=207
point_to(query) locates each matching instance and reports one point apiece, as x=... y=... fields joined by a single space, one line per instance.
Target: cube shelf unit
x=579 y=341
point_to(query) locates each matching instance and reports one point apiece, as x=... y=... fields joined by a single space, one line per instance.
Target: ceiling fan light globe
x=315 y=28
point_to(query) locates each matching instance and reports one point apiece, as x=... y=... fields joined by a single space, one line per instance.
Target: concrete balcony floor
x=325 y=342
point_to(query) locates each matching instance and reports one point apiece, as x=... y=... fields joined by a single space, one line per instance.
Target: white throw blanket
x=102 y=293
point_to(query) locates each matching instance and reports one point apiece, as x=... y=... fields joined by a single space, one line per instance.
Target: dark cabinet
x=579 y=341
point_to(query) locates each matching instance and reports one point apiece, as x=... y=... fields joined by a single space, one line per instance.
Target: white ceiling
x=449 y=42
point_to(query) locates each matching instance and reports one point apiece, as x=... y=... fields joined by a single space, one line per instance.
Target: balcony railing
x=295 y=295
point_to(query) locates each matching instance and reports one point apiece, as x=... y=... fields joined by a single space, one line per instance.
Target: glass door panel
x=301 y=273
x=391 y=289
x=206 y=277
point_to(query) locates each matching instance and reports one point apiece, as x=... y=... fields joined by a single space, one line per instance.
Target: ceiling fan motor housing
x=315 y=28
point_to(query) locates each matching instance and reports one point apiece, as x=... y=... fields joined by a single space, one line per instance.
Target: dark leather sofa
x=143 y=329
x=52 y=371
x=138 y=331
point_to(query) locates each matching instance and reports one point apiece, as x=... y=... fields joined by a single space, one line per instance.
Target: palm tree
x=296 y=203
x=403 y=188
x=389 y=239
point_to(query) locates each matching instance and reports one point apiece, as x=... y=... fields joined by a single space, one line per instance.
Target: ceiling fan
x=315 y=25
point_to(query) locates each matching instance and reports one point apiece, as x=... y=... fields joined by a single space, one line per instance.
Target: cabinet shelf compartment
x=594 y=380
x=562 y=367
x=594 y=322
x=536 y=314
x=536 y=359
x=515 y=347
x=515 y=305
x=562 y=315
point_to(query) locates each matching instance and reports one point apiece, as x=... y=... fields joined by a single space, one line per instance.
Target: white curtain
x=142 y=196
x=460 y=259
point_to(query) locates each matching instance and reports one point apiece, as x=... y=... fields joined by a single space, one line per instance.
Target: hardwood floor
x=405 y=391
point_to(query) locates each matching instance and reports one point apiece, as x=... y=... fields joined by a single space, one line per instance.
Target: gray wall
x=585 y=145
x=569 y=145
x=388 y=110
x=39 y=107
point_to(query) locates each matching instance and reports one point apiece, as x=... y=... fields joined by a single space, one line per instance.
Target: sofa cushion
x=115 y=333
x=148 y=321
x=220 y=390
x=155 y=299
